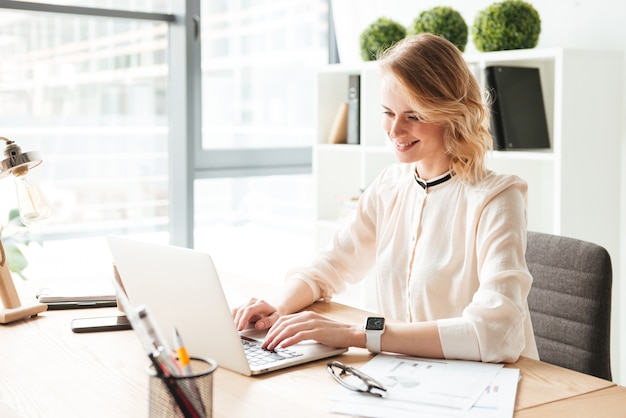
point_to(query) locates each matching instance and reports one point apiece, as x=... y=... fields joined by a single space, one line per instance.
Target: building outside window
x=91 y=95
x=259 y=63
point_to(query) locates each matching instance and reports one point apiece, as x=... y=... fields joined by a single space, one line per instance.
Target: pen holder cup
x=197 y=388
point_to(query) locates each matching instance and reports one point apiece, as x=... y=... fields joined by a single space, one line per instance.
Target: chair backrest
x=570 y=302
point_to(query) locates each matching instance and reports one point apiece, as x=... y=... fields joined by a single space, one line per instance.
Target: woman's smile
x=405 y=146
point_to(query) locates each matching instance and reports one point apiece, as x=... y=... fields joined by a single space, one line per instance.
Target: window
x=89 y=87
x=258 y=68
x=259 y=62
x=90 y=94
x=95 y=108
x=257 y=227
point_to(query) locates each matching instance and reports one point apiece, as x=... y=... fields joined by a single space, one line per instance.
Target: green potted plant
x=443 y=21
x=378 y=36
x=510 y=24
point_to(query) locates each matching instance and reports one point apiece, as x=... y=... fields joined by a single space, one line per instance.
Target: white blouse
x=453 y=253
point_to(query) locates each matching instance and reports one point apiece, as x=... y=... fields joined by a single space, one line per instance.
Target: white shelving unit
x=342 y=171
x=574 y=186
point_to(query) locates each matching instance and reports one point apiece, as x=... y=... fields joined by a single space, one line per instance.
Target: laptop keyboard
x=258 y=356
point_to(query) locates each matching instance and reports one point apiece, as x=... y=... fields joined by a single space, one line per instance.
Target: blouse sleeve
x=349 y=256
x=491 y=328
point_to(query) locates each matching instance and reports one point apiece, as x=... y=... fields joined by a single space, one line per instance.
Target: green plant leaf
x=443 y=21
x=14 y=234
x=506 y=25
x=16 y=261
x=14 y=217
x=378 y=36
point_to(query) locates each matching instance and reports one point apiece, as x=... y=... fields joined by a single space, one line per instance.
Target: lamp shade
x=19 y=163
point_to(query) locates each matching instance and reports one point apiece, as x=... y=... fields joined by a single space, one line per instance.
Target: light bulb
x=32 y=203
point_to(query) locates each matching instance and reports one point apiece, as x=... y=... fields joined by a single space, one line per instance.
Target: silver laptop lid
x=182 y=289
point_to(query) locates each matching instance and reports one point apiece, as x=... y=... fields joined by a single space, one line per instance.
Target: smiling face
x=412 y=139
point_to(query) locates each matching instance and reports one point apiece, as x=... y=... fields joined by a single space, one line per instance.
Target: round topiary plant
x=443 y=21
x=510 y=24
x=378 y=36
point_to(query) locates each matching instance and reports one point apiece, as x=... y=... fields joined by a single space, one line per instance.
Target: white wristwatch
x=374 y=329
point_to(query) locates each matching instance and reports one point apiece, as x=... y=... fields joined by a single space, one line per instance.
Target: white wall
x=582 y=24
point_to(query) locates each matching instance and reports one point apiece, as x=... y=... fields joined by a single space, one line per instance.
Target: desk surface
x=49 y=371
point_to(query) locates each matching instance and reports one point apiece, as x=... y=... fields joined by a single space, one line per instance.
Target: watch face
x=375 y=324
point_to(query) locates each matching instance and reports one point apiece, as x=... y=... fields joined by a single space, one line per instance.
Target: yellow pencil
x=181 y=352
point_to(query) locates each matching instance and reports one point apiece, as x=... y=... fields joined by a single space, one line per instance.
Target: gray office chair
x=570 y=302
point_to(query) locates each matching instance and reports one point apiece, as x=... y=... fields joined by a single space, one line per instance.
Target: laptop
x=182 y=289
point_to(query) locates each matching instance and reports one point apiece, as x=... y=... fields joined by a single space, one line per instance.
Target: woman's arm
x=492 y=327
x=296 y=294
x=415 y=339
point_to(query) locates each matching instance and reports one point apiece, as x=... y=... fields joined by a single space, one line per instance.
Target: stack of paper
x=419 y=387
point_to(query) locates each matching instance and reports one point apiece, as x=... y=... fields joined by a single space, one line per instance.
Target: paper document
x=419 y=387
x=498 y=399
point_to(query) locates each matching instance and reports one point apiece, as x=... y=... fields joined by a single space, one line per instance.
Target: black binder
x=518 y=116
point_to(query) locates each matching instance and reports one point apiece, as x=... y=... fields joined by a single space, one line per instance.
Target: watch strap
x=372 y=341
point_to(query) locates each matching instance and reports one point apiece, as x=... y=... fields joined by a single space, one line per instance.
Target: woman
x=445 y=236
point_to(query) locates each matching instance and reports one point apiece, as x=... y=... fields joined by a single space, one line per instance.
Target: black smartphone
x=102 y=323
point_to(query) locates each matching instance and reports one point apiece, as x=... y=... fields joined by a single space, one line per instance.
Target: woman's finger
x=253 y=311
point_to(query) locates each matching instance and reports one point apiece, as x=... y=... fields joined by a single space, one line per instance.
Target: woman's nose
x=397 y=128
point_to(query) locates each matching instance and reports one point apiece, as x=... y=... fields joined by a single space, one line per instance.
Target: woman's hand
x=297 y=327
x=256 y=311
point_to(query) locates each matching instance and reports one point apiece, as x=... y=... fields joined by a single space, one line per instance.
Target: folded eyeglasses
x=354 y=379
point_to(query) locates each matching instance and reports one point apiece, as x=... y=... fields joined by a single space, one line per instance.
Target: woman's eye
x=415 y=118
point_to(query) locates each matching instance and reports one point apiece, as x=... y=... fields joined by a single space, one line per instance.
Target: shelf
x=540 y=155
x=518 y=55
x=583 y=112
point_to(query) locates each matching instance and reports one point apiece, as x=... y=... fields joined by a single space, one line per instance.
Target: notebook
x=90 y=294
x=182 y=289
x=518 y=116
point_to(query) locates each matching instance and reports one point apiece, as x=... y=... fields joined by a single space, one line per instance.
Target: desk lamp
x=33 y=207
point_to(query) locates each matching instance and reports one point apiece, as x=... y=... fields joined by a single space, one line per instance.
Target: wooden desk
x=49 y=371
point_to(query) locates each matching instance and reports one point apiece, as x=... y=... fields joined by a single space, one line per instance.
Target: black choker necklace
x=426 y=184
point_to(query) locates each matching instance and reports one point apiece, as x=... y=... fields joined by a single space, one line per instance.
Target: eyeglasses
x=354 y=379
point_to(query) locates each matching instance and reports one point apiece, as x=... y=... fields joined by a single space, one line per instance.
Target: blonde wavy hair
x=442 y=88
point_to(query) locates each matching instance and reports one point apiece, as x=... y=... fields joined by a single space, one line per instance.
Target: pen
x=159 y=343
x=185 y=365
x=183 y=356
